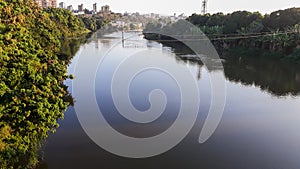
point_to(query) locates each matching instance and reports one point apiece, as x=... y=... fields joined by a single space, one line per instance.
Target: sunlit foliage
x=32 y=94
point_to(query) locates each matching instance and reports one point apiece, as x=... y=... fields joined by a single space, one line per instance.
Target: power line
x=225 y=37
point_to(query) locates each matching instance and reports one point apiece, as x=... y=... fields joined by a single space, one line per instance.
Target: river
x=259 y=127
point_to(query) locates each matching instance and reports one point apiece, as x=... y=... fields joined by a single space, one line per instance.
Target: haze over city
x=187 y=6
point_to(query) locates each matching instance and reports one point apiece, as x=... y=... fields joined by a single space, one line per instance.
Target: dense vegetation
x=279 y=31
x=244 y=21
x=72 y=25
x=32 y=70
x=95 y=22
x=66 y=22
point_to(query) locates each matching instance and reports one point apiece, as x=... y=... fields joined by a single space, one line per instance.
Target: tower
x=95 y=8
x=204 y=7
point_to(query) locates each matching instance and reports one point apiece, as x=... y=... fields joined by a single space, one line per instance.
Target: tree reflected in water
x=275 y=76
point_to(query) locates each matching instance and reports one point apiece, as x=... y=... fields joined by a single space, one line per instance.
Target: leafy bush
x=32 y=94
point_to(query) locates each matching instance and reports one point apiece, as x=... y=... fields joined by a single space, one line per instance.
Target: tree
x=32 y=93
x=216 y=20
x=133 y=26
x=282 y=19
x=199 y=20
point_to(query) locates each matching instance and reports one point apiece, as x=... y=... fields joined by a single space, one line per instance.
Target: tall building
x=105 y=9
x=70 y=8
x=46 y=3
x=53 y=3
x=80 y=8
x=95 y=7
x=62 y=5
x=39 y=2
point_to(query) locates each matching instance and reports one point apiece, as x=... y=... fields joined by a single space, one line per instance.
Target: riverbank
x=36 y=46
x=277 y=33
x=227 y=49
x=269 y=70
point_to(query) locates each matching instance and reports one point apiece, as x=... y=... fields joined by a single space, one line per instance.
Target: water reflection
x=298 y=77
x=277 y=77
x=257 y=130
x=273 y=76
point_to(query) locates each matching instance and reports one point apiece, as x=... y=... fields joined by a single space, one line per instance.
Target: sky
x=188 y=7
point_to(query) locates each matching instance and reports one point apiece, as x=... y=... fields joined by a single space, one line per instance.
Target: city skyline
x=188 y=7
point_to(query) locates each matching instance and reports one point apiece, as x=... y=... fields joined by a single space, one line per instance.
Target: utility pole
x=204 y=7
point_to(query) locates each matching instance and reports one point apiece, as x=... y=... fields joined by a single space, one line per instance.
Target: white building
x=105 y=9
x=46 y=3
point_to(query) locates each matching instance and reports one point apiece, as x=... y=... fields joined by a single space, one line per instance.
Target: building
x=95 y=8
x=105 y=9
x=46 y=3
x=70 y=8
x=80 y=8
x=53 y=3
x=62 y=5
x=39 y=2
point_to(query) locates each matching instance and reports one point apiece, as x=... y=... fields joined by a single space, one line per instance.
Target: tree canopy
x=32 y=71
x=277 y=32
x=234 y=22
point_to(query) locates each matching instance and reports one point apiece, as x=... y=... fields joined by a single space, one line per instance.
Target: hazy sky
x=187 y=6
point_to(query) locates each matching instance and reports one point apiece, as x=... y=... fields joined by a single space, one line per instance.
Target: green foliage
x=89 y=22
x=279 y=32
x=95 y=22
x=67 y=23
x=234 y=22
x=212 y=30
x=153 y=27
x=199 y=20
x=32 y=71
x=282 y=19
x=254 y=27
x=216 y=20
x=238 y=20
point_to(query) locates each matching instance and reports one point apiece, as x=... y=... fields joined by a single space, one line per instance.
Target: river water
x=259 y=128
